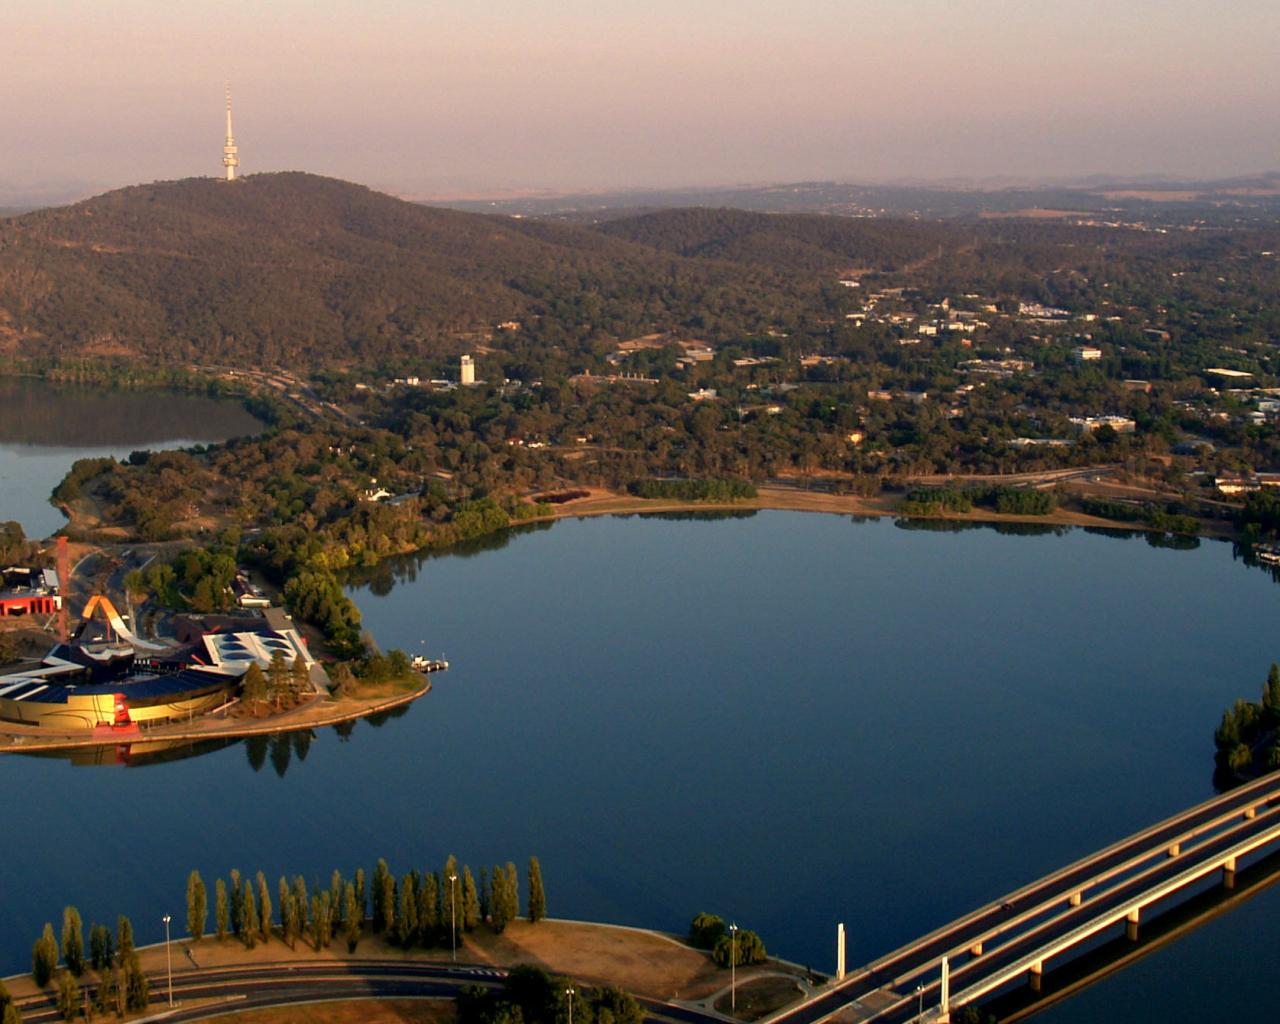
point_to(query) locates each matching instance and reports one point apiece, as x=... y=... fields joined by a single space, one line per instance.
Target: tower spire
x=230 y=154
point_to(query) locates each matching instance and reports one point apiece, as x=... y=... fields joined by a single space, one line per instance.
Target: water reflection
x=135 y=755
x=282 y=748
x=33 y=412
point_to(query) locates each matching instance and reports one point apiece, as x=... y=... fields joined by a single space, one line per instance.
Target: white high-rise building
x=468 y=370
x=230 y=154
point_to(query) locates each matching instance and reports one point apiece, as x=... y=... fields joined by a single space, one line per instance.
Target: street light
x=733 y=969
x=919 y=1002
x=569 y=993
x=453 y=916
x=168 y=958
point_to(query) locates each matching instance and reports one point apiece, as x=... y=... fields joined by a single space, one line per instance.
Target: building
x=28 y=591
x=1088 y=424
x=1086 y=354
x=121 y=684
x=468 y=371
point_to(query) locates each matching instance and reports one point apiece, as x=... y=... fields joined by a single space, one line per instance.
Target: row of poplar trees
x=121 y=986
x=419 y=909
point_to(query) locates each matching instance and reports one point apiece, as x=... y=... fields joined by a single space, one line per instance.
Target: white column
x=840 y=952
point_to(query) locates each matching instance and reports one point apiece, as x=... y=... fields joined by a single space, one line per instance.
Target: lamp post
x=569 y=992
x=919 y=1002
x=453 y=915
x=168 y=958
x=733 y=969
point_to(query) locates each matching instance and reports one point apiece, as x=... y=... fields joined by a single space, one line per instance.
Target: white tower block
x=230 y=154
x=468 y=370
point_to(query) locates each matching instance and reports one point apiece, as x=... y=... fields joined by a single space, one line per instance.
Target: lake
x=791 y=720
x=45 y=427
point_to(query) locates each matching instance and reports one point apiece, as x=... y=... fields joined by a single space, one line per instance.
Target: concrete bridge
x=1012 y=939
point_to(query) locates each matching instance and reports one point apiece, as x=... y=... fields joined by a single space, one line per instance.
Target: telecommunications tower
x=230 y=157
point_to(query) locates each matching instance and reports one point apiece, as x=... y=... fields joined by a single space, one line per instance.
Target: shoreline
x=312 y=715
x=778 y=498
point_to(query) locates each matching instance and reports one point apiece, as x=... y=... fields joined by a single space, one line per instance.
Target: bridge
x=1056 y=917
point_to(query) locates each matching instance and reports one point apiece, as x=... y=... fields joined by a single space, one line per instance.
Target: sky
x=448 y=97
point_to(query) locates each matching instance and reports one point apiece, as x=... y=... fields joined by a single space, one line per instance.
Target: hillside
x=289 y=268
x=299 y=270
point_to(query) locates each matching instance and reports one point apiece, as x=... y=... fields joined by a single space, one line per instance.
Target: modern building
x=468 y=371
x=86 y=685
x=28 y=591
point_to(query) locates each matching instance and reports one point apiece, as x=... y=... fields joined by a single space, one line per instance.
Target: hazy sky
x=423 y=96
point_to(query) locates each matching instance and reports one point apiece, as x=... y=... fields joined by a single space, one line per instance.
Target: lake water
x=44 y=428
x=788 y=719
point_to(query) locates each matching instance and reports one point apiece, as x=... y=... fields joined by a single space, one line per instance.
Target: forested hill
x=286 y=268
x=299 y=270
x=789 y=242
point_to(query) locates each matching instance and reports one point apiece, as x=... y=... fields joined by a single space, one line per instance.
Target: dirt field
x=355 y=1011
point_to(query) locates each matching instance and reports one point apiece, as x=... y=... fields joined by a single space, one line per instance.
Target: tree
x=68 y=996
x=429 y=909
x=336 y=900
x=361 y=902
x=379 y=910
x=705 y=931
x=104 y=998
x=12 y=1015
x=44 y=957
x=100 y=951
x=469 y=911
x=291 y=923
x=282 y=890
x=236 y=895
x=124 y=935
x=351 y=916
x=387 y=902
x=498 y=918
x=744 y=947
x=537 y=896
x=299 y=677
x=220 y=908
x=254 y=685
x=1271 y=693
x=73 y=940
x=513 y=892
x=406 y=928
x=279 y=679
x=197 y=906
x=251 y=927
x=264 y=906
x=300 y=901
x=137 y=991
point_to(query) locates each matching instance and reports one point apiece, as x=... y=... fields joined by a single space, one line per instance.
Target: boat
x=421 y=663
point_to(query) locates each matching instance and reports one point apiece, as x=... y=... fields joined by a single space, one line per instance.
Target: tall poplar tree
x=197 y=906
x=351 y=917
x=250 y=926
x=537 y=896
x=73 y=940
x=264 y=906
x=220 y=911
x=470 y=900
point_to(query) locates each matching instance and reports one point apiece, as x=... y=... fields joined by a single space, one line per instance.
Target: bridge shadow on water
x=1115 y=954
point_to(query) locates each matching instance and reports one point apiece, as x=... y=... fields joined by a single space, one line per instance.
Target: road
x=277 y=984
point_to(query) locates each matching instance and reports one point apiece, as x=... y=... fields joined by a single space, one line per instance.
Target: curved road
x=276 y=984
